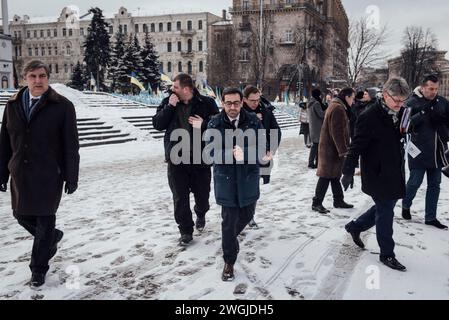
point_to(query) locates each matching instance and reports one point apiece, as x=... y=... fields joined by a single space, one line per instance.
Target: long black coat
x=166 y=119
x=236 y=185
x=378 y=142
x=39 y=155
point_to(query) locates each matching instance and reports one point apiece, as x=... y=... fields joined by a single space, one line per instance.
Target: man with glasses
x=428 y=129
x=379 y=143
x=233 y=134
x=253 y=101
x=189 y=112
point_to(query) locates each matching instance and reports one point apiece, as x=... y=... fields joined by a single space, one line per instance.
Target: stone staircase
x=145 y=123
x=94 y=132
x=285 y=121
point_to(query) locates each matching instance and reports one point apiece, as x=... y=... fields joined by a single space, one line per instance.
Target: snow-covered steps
x=145 y=123
x=286 y=121
x=5 y=95
x=101 y=99
x=94 y=132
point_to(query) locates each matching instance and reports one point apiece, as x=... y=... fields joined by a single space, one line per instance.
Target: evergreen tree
x=116 y=71
x=132 y=63
x=97 y=47
x=151 y=76
x=77 y=79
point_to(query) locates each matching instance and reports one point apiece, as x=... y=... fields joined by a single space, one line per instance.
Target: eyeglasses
x=232 y=103
x=395 y=100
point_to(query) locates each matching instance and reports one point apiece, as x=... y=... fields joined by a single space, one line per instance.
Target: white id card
x=412 y=150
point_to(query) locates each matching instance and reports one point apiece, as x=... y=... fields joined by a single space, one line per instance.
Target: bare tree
x=365 y=45
x=418 y=55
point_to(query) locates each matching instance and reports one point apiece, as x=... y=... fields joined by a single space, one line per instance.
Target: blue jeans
x=380 y=215
x=432 y=194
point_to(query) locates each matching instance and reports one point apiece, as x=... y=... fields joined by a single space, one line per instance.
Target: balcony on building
x=287 y=42
x=245 y=26
x=188 y=33
x=187 y=54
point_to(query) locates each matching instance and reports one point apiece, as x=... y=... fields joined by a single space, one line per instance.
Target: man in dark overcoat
x=39 y=152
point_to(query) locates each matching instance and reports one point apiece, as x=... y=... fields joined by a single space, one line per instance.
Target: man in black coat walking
x=234 y=136
x=379 y=143
x=184 y=116
x=254 y=102
x=39 y=151
x=429 y=133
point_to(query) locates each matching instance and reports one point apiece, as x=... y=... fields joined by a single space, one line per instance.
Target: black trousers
x=234 y=221
x=44 y=232
x=313 y=155
x=182 y=180
x=321 y=189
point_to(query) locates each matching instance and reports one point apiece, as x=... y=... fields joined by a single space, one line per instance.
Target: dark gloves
x=70 y=187
x=347 y=180
x=3 y=187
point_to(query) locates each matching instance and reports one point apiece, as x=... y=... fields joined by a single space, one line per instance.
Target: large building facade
x=181 y=40
x=298 y=45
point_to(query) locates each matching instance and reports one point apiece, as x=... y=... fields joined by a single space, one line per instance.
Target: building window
x=145 y=28
x=179 y=66
x=48 y=33
x=35 y=33
x=169 y=67
x=56 y=51
x=189 y=25
x=189 y=67
x=201 y=66
x=168 y=46
x=125 y=29
x=28 y=34
x=161 y=27
x=200 y=45
x=42 y=51
x=179 y=46
x=245 y=55
x=71 y=67
x=17 y=51
x=66 y=69
x=55 y=32
x=288 y=36
x=20 y=51
x=70 y=32
x=136 y=28
x=178 y=26
x=153 y=28
x=68 y=51
x=64 y=32
x=50 y=67
x=82 y=31
x=36 y=51
x=111 y=29
x=30 y=52
x=42 y=33
x=120 y=29
x=56 y=68
x=49 y=51
x=169 y=26
x=200 y=25
x=189 y=45
x=245 y=4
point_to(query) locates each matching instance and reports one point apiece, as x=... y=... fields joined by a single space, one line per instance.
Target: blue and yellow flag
x=136 y=82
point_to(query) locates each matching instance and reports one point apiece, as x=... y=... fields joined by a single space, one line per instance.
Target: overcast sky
x=396 y=14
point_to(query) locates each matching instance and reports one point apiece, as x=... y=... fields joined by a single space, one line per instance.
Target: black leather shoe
x=253 y=225
x=200 y=223
x=436 y=223
x=342 y=205
x=355 y=235
x=37 y=279
x=58 y=237
x=185 y=239
x=319 y=208
x=406 y=214
x=392 y=263
x=312 y=166
x=228 y=272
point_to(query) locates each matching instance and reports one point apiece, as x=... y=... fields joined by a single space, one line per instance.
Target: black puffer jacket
x=428 y=129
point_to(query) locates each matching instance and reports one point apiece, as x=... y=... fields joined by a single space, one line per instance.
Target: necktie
x=233 y=123
x=32 y=104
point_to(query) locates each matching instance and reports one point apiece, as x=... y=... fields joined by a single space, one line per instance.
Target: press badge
x=412 y=150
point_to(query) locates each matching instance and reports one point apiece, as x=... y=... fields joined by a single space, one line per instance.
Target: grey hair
x=33 y=65
x=397 y=87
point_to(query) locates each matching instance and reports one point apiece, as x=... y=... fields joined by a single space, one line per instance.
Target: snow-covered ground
x=120 y=239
